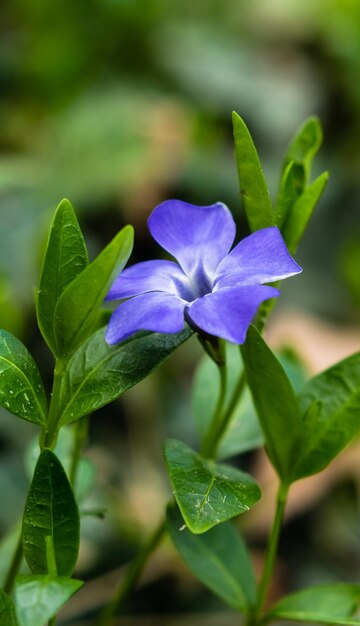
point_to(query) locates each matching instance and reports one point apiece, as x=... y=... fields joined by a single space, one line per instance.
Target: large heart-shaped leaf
x=77 y=308
x=331 y=406
x=325 y=604
x=65 y=257
x=38 y=598
x=98 y=373
x=218 y=558
x=21 y=388
x=50 y=511
x=207 y=493
x=254 y=191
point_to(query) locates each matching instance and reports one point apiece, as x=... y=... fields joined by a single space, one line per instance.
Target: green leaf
x=218 y=558
x=330 y=403
x=291 y=187
x=275 y=402
x=21 y=388
x=38 y=598
x=304 y=145
x=98 y=373
x=65 y=257
x=207 y=493
x=254 y=191
x=7 y=611
x=78 y=306
x=298 y=218
x=324 y=604
x=50 y=510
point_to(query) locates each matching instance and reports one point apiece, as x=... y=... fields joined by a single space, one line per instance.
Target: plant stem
x=132 y=574
x=49 y=434
x=211 y=438
x=272 y=548
x=80 y=431
x=14 y=566
x=52 y=621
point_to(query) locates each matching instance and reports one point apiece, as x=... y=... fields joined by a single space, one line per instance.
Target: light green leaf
x=98 y=373
x=254 y=191
x=50 y=510
x=78 y=306
x=304 y=145
x=275 y=402
x=324 y=604
x=7 y=611
x=65 y=257
x=298 y=218
x=21 y=388
x=330 y=403
x=291 y=187
x=218 y=558
x=207 y=493
x=38 y=598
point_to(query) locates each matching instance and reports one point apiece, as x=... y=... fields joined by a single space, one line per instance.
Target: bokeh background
x=118 y=105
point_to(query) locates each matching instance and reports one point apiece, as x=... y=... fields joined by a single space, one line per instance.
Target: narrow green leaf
x=207 y=493
x=98 y=373
x=298 y=218
x=77 y=309
x=39 y=598
x=304 y=145
x=218 y=558
x=7 y=611
x=50 y=510
x=324 y=604
x=275 y=402
x=330 y=403
x=291 y=187
x=65 y=257
x=21 y=388
x=253 y=188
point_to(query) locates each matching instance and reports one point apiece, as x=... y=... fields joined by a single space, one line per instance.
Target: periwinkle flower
x=217 y=291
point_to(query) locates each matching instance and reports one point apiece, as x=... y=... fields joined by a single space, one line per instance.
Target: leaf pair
x=303 y=433
x=70 y=290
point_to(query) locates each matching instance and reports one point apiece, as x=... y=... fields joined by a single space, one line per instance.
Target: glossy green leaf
x=304 y=145
x=218 y=558
x=78 y=306
x=38 y=598
x=98 y=373
x=21 y=388
x=298 y=218
x=330 y=403
x=253 y=188
x=207 y=493
x=50 y=510
x=7 y=611
x=291 y=187
x=324 y=604
x=275 y=402
x=65 y=257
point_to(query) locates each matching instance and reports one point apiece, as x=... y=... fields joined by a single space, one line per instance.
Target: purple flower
x=216 y=291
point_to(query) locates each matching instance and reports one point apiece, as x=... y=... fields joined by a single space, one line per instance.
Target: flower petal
x=197 y=236
x=260 y=258
x=227 y=313
x=157 y=311
x=150 y=276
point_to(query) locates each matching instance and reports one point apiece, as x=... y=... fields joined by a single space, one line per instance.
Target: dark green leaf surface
x=50 y=510
x=331 y=406
x=78 y=306
x=254 y=191
x=7 y=612
x=291 y=187
x=218 y=558
x=21 y=388
x=275 y=402
x=304 y=145
x=207 y=493
x=65 y=257
x=298 y=218
x=98 y=373
x=325 y=604
x=38 y=598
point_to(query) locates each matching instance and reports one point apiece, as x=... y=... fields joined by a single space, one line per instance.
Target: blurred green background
x=118 y=105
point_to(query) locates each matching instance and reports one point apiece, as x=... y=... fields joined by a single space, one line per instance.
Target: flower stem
x=272 y=548
x=211 y=438
x=14 y=566
x=132 y=574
